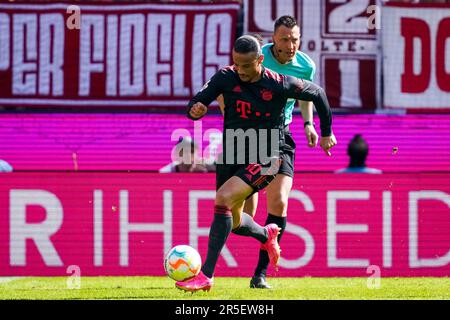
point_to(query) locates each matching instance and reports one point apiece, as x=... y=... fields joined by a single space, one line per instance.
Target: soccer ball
x=182 y=262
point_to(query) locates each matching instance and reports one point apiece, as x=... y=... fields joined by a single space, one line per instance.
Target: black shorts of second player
x=251 y=174
x=288 y=156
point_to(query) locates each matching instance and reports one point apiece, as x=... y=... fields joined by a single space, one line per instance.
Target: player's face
x=248 y=66
x=286 y=43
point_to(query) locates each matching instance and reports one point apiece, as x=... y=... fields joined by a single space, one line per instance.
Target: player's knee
x=224 y=198
x=278 y=205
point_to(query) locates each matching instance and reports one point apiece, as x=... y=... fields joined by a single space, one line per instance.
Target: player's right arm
x=197 y=111
x=308 y=91
x=198 y=106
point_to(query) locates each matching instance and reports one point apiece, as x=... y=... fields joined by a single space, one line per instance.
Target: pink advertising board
x=144 y=142
x=123 y=223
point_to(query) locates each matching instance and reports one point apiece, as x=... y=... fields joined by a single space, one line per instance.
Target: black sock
x=218 y=234
x=249 y=228
x=263 y=262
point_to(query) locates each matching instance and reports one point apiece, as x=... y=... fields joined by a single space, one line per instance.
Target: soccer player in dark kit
x=255 y=98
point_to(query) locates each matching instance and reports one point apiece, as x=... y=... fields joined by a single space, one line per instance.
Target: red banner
x=105 y=56
x=122 y=224
x=341 y=38
x=416 y=56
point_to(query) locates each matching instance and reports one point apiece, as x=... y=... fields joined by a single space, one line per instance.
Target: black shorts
x=288 y=156
x=251 y=174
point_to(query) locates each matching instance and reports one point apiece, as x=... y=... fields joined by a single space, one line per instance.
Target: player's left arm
x=306 y=107
x=307 y=91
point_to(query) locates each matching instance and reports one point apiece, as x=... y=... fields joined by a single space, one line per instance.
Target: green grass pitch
x=163 y=288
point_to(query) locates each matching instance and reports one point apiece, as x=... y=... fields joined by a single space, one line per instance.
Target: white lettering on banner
x=217 y=40
x=198 y=56
x=302 y=233
x=201 y=44
x=350 y=95
x=264 y=18
x=24 y=66
x=98 y=228
x=131 y=54
x=179 y=88
x=333 y=228
x=387 y=229
x=4 y=41
x=51 y=54
x=111 y=56
x=20 y=231
x=117 y=55
x=91 y=25
x=126 y=227
x=159 y=53
x=414 y=198
x=346 y=17
x=40 y=233
x=164 y=61
x=195 y=231
x=30 y=69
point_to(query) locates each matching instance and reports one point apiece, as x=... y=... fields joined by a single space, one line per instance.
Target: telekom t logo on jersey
x=244 y=108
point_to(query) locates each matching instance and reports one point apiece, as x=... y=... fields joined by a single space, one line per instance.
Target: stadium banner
x=416 y=56
x=340 y=36
x=109 y=55
x=55 y=224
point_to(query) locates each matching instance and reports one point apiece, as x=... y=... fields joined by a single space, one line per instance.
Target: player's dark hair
x=258 y=37
x=287 y=21
x=358 y=149
x=247 y=44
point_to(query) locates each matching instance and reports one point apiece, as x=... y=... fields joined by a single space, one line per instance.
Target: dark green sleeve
x=210 y=91
x=307 y=91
